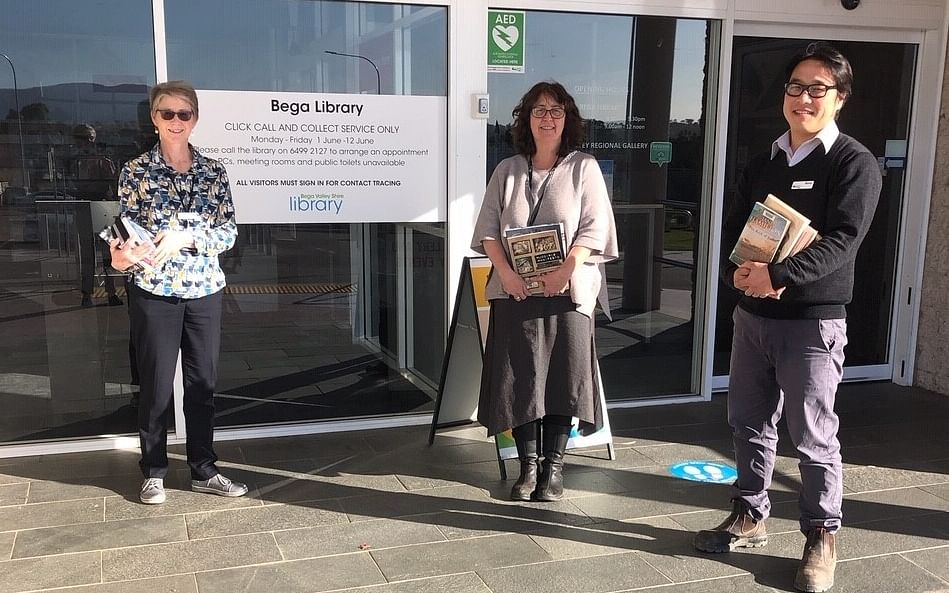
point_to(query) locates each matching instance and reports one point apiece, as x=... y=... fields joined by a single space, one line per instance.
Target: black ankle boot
x=526 y=437
x=550 y=484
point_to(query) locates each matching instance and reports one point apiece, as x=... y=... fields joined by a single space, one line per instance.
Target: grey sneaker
x=219 y=485
x=153 y=491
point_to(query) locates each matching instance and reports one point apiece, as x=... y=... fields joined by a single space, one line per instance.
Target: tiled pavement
x=382 y=512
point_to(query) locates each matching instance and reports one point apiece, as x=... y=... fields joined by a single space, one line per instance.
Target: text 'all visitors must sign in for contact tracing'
x=306 y=157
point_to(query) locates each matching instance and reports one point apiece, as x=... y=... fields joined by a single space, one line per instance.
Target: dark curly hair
x=574 y=131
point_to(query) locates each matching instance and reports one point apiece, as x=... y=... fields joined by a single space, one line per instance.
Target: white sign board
x=308 y=157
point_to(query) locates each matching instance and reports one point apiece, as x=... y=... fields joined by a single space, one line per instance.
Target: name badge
x=809 y=184
x=195 y=217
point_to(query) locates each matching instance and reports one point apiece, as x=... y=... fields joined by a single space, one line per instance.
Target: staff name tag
x=195 y=217
x=802 y=184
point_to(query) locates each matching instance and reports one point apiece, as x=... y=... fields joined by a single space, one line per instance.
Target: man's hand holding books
x=754 y=280
x=170 y=243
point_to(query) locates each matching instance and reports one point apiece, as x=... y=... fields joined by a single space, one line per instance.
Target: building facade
x=359 y=137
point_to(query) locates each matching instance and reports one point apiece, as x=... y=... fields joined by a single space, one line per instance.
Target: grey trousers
x=789 y=366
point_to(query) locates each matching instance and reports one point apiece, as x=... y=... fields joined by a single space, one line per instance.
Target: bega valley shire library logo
x=321 y=203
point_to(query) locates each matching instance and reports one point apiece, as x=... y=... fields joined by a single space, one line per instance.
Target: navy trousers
x=160 y=327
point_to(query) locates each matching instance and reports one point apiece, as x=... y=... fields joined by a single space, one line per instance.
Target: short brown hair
x=174 y=88
x=573 y=126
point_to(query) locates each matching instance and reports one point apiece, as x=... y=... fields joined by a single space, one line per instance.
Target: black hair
x=835 y=61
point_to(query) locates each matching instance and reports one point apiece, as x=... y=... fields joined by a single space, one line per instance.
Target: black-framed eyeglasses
x=555 y=112
x=815 y=91
x=169 y=114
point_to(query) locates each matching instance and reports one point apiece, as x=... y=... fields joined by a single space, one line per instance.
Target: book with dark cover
x=535 y=250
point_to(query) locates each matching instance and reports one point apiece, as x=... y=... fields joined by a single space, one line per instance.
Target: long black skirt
x=539 y=359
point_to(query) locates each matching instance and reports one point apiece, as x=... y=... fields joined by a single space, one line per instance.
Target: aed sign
x=506 y=41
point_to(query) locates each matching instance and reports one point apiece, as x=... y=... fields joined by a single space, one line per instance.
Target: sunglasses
x=168 y=114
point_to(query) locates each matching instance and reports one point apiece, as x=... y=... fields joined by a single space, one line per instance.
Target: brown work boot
x=816 y=572
x=738 y=530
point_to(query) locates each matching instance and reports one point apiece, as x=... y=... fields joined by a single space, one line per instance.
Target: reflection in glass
x=82 y=91
x=883 y=83
x=323 y=320
x=641 y=83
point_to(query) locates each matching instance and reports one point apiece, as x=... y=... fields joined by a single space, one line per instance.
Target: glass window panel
x=78 y=110
x=883 y=83
x=321 y=320
x=637 y=81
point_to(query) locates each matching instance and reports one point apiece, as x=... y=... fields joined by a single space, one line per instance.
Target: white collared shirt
x=827 y=137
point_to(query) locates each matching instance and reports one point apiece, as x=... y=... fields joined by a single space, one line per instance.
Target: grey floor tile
x=887 y=573
x=300 y=447
x=179 y=558
x=745 y=583
x=178 y=502
x=662 y=496
x=456 y=583
x=626 y=457
x=400 y=504
x=585 y=575
x=13 y=494
x=425 y=560
x=471 y=519
x=173 y=584
x=72 y=466
x=719 y=450
x=47 y=573
x=263 y=519
x=299 y=576
x=563 y=543
x=894 y=535
x=350 y=537
x=681 y=563
x=99 y=536
x=933 y=560
x=325 y=487
x=30 y=516
x=94 y=487
x=6 y=545
x=869 y=477
x=890 y=504
x=940 y=490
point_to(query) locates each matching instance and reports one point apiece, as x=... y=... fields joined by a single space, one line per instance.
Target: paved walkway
x=382 y=512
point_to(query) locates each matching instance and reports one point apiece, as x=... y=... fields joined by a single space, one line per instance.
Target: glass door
x=878 y=115
x=645 y=86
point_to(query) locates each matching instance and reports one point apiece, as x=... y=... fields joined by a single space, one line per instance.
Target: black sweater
x=841 y=203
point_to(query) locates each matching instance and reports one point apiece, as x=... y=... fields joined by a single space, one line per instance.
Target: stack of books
x=127 y=230
x=774 y=232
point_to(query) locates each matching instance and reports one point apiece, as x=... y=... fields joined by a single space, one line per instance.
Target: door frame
x=914 y=212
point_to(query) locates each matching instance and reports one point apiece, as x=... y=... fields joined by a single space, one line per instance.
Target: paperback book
x=773 y=232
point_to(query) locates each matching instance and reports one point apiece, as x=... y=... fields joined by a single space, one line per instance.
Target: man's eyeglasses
x=555 y=112
x=815 y=91
x=169 y=114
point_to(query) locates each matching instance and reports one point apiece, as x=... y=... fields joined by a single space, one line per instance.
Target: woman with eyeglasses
x=184 y=200
x=540 y=362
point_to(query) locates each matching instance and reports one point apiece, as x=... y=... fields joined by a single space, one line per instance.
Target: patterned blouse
x=153 y=194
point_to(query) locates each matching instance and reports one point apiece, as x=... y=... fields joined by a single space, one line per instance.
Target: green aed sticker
x=506 y=41
x=660 y=152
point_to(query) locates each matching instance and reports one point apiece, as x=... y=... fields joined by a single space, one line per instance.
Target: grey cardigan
x=576 y=196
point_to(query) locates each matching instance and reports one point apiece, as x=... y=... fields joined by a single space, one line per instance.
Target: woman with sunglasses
x=184 y=200
x=540 y=362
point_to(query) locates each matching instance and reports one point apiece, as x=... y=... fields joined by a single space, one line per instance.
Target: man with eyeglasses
x=790 y=324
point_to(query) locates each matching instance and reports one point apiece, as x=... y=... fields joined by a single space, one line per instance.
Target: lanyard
x=543 y=187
